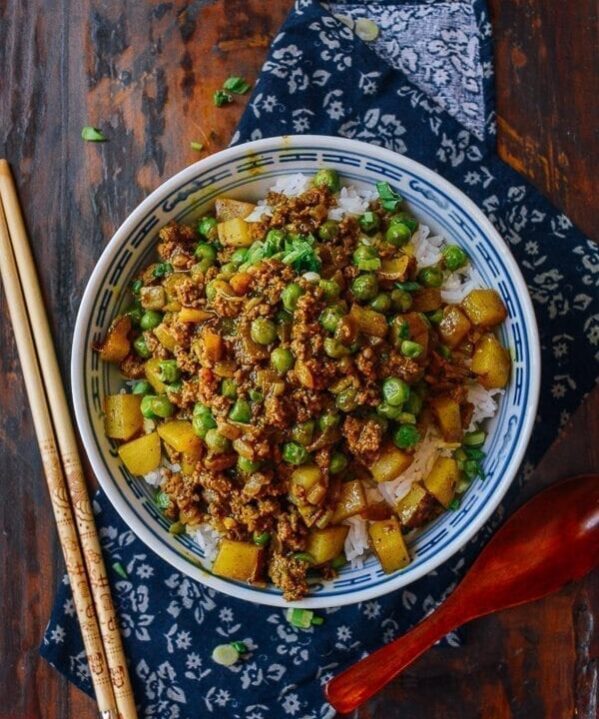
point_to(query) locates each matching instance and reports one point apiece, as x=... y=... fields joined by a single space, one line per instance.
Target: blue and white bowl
x=246 y=172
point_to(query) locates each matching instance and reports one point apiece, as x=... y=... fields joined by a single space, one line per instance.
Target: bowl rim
x=106 y=480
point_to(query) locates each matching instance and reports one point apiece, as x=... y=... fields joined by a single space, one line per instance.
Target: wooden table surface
x=145 y=72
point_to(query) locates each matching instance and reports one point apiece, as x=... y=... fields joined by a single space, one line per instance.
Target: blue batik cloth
x=423 y=87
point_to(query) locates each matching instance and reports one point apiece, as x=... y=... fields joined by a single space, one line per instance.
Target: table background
x=145 y=72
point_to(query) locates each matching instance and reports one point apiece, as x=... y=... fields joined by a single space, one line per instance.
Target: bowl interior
x=247 y=172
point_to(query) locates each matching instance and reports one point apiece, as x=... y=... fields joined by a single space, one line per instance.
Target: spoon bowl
x=551 y=540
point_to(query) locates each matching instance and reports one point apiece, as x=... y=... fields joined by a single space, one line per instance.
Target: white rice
x=261 y=210
x=356 y=542
x=485 y=404
x=154 y=478
x=427 y=250
x=207 y=538
x=351 y=201
x=292 y=185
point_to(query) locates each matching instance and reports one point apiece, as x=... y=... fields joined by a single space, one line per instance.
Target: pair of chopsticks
x=62 y=466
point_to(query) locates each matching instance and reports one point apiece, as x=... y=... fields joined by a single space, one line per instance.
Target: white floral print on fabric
x=320 y=78
x=437 y=46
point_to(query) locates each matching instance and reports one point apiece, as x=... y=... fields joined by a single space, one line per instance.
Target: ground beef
x=289 y=575
x=364 y=437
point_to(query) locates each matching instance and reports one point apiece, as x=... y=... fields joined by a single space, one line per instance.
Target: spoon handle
x=368 y=676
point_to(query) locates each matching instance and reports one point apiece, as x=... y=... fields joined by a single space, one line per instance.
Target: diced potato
x=351 y=501
x=449 y=418
x=326 y=544
x=179 y=434
x=306 y=476
x=152 y=298
x=193 y=314
x=152 y=371
x=388 y=544
x=419 y=331
x=390 y=464
x=122 y=418
x=369 y=321
x=376 y=511
x=309 y=513
x=304 y=374
x=228 y=209
x=241 y=561
x=116 y=345
x=491 y=362
x=188 y=463
x=213 y=344
x=240 y=282
x=417 y=507
x=395 y=268
x=442 y=480
x=484 y=308
x=142 y=455
x=170 y=284
x=307 y=485
x=225 y=368
x=234 y=233
x=428 y=299
x=165 y=338
x=250 y=348
x=454 y=326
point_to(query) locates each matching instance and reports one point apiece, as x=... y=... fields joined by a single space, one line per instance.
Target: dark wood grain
x=145 y=72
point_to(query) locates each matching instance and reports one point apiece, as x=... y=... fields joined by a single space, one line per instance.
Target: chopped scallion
x=92 y=134
x=236 y=84
x=120 y=570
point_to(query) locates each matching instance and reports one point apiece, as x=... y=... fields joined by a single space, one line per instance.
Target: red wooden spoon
x=550 y=541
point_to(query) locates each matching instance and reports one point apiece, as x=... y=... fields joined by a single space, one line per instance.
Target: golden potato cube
x=179 y=434
x=352 y=500
x=417 y=507
x=454 y=326
x=152 y=298
x=370 y=322
x=165 y=338
x=241 y=561
x=391 y=463
x=449 y=418
x=388 y=544
x=152 y=371
x=491 y=362
x=171 y=282
x=116 y=345
x=326 y=544
x=427 y=299
x=142 y=455
x=228 y=209
x=234 y=233
x=188 y=463
x=484 y=308
x=395 y=268
x=122 y=418
x=442 y=480
x=192 y=314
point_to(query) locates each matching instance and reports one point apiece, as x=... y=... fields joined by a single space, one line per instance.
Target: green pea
x=398 y=234
x=141 y=347
x=227 y=270
x=135 y=313
x=381 y=303
x=406 y=436
x=411 y=349
x=146 y=406
x=405 y=218
x=142 y=387
x=435 y=317
x=281 y=360
x=431 y=276
x=241 y=412
x=136 y=286
x=290 y=295
x=150 y=319
x=294 y=453
x=211 y=291
x=327 y=179
x=330 y=288
x=204 y=251
x=263 y=331
x=338 y=463
x=454 y=257
x=201 y=423
x=327 y=421
x=330 y=318
x=401 y=300
x=395 y=391
x=246 y=466
x=255 y=395
x=365 y=287
x=339 y=561
x=369 y=222
x=386 y=411
x=216 y=442
x=261 y=538
x=414 y=404
x=228 y=388
x=400 y=331
x=335 y=349
x=346 y=400
x=207 y=227
x=239 y=256
x=302 y=433
x=162 y=269
x=168 y=371
x=366 y=258
x=162 y=406
x=328 y=230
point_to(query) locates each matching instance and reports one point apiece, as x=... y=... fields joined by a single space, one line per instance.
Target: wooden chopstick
x=108 y=666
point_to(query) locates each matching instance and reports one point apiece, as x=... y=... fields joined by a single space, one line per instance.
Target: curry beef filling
x=285 y=367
